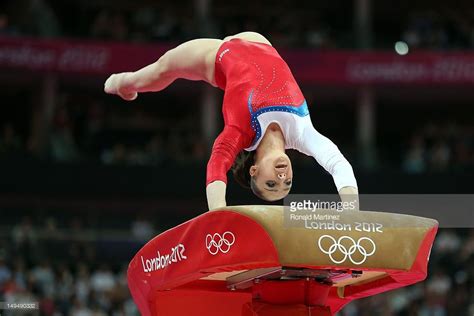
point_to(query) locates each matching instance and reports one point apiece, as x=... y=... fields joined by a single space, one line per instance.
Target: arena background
x=86 y=178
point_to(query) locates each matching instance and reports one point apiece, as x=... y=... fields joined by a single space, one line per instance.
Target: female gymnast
x=264 y=114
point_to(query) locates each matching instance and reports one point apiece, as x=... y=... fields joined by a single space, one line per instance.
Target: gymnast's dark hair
x=241 y=171
x=241 y=168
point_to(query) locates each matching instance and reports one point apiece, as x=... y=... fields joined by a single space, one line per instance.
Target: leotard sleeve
x=328 y=155
x=224 y=151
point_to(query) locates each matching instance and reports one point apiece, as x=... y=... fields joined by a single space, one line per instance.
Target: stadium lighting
x=401 y=48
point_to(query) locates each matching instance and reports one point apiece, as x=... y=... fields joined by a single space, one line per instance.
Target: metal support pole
x=363 y=24
x=209 y=114
x=366 y=132
x=366 y=128
x=43 y=112
x=210 y=102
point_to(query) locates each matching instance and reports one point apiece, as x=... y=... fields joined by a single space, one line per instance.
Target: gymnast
x=264 y=113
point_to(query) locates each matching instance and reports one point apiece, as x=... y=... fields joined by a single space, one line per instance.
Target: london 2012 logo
x=347 y=248
x=219 y=243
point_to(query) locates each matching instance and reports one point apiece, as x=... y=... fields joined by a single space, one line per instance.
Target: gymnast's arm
x=331 y=159
x=224 y=151
x=215 y=192
x=192 y=60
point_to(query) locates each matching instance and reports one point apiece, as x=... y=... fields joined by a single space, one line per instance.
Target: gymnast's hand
x=117 y=84
x=350 y=196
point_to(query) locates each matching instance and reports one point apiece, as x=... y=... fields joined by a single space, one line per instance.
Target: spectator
x=63 y=144
x=117 y=156
x=154 y=151
x=24 y=235
x=65 y=288
x=40 y=19
x=6 y=28
x=447 y=242
x=109 y=25
x=80 y=309
x=440 y=148
x=82 y=284
x=9 y=141
x=142 y=229
x=440 y=156
x=5 y=273
x=20 y=274
x=43 y=276
x=415 y=157
x=102 y=280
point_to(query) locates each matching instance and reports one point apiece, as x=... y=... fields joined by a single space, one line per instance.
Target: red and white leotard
x=259 y=90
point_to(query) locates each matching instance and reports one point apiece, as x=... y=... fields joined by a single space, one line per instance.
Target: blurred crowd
x=448 y=290
x=113 y=135
x=62 y=267
x=440 y=148
x=70 y=275
x=82 y=290
x=307 y=25
x=444 y=29
x=120 y=136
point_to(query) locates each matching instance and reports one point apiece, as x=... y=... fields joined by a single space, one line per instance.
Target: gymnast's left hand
x=117 y=84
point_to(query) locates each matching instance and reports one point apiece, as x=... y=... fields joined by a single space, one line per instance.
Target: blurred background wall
x=86 y=178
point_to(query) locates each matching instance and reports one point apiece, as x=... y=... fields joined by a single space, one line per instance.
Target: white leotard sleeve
x=326 y=153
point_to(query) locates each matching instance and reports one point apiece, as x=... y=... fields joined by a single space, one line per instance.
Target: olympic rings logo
x=337 y=246
x=216 y=242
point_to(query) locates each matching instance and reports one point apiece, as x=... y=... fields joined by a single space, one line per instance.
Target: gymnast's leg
x=192 y=60
x=250 y=36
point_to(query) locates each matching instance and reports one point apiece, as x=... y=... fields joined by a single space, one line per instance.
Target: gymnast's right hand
x=116 y=84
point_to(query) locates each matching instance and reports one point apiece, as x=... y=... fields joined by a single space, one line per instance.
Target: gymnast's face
x=273 y=176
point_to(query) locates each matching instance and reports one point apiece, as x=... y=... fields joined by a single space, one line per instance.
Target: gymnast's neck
x=273 y=140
